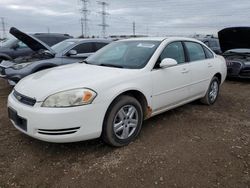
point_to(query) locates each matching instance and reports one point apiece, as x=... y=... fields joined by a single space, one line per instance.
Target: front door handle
x=210 y=65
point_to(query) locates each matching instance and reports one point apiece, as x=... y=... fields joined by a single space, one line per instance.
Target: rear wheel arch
x=219 y=76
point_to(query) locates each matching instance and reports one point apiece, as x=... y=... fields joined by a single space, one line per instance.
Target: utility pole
x=134 y=28
x=84 y=19
x=104 y=14
x=3 y=28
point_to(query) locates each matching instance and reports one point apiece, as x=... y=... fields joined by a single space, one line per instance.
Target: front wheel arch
x=218 y=75
x=138 y=95
x=107 y=129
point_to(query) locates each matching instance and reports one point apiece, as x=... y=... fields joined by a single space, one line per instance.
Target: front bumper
x=238 y=70
x=58 y=125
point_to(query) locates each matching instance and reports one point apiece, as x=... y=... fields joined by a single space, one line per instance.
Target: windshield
x=125 y=54
x=9 y=43
x=62 y=46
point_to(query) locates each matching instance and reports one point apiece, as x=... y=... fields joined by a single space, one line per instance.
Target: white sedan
x=112 y=92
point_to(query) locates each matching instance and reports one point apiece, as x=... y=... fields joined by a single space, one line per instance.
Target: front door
x=171 y=85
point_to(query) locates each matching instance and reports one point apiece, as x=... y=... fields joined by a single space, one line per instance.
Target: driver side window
x=175 y=51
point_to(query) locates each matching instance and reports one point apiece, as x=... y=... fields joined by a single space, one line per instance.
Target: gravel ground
x=191 y=146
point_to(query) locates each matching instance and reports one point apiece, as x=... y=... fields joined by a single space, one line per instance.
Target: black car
x=14 y=48
x=212 y=43
x=235 y=45
x=66 y=52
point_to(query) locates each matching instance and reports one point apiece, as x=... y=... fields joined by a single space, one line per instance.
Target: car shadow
x=241 y=80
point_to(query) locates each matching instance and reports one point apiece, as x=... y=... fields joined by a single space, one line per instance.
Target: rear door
x=200 y=67
x=170 y=85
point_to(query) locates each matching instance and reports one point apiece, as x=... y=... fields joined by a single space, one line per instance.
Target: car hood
x=6 y=64
x=32 y=42
x=45 y=83
x=234 y=38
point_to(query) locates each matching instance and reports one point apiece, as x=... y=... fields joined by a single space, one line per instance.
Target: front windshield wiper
x=111 y=65
x=84 y=61
x=47 y=52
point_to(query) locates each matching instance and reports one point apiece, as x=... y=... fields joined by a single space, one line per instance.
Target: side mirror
x=71 y=52
x=168 y=62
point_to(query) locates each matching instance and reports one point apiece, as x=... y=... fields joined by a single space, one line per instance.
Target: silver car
x=66 y=52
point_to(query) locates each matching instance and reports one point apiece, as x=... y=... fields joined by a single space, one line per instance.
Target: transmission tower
x=84 y=19
x=104 y=14
x=134 y=28
x=3 y=28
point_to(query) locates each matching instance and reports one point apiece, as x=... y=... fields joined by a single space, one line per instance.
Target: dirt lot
x=192 y=146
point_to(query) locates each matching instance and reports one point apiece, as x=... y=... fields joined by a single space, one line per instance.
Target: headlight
x=21 y=65
x=247 y=63
x=70 y=98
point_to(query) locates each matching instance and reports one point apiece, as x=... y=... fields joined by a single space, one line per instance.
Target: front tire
x=212 y=92
x=123 y=121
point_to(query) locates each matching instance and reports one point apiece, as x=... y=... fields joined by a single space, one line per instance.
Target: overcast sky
x=153 y=17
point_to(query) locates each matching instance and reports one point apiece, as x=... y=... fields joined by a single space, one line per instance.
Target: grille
x=234 y=68
x=19 y=121
x=58 y=131
x=24 y=99
x=245 y=72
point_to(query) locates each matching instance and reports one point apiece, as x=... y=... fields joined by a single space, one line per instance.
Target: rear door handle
x=184 y=71
x=210 y=65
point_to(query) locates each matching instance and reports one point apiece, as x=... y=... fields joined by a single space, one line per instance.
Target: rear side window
x=174 y=51
x=195 y=51
x=84 y=48
x=208 y=53
x=99 y=45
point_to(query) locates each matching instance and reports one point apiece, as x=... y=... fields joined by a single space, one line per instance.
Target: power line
x=84 y=19
x=104 y=14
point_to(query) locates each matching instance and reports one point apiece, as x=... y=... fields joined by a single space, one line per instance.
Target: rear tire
x=123 y=121
x=212 y=92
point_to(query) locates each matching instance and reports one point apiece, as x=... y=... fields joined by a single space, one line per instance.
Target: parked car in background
x=66 y=52
x=20 y=46
x=212 y=43
x=235 y=45
x=114 y=90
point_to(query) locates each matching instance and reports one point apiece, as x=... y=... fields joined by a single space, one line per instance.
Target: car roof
x=160 y=39
x=146 y=39
x=88 y=40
